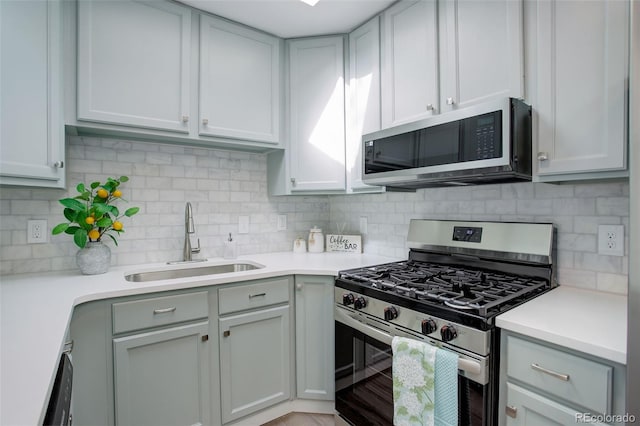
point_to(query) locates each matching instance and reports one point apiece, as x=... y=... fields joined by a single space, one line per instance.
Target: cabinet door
x=134 y=63
x=481 y=55
x=314 y=337
x=239 y=82
x=526 y=408
x=162 y=377
x=582 y=68
x=317 y=132
x=31 y=123
x=254 y=361
x=363 y=104
x=410 y=62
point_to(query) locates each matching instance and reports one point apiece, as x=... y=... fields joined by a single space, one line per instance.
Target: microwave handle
x=469 y=366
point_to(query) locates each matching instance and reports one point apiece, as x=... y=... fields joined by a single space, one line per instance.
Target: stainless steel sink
x=169 y=274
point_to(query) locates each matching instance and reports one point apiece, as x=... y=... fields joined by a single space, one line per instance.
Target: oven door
x=364 y=383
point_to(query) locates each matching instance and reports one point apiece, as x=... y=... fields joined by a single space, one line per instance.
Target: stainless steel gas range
x=459 y=276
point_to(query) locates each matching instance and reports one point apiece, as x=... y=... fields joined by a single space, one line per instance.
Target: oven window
x=364 y=384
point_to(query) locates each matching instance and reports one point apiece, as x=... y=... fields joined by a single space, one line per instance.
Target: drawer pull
x=251 y=296
x=511 y=411
x=563 y=377
x=226 y=333
x=164 y=310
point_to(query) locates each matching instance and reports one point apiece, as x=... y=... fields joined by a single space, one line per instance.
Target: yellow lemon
x=117 y=225
x=90 y=220
x=117 y=193
x=94 y=234
x=103 y=193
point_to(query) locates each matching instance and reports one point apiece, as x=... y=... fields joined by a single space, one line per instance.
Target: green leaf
x=70 y=215
x=71 y=230
x=60 y=228
x=72 y=204
x=114 y=211
x=80 y=188
x=105 y=222
x=113 y=238
x=131 y=211
x=110 y=186
x=124 y=179
x=94 y=185
x=80 y=238
x=84 y=196
x=100 y=208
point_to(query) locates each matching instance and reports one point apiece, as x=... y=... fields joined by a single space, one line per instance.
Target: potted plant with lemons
x=92 y=215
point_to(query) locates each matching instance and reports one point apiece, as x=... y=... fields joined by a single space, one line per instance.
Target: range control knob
x=390 y=313
x=428 y=326
x=360 y=302
x=448 y=333
x=348 y=299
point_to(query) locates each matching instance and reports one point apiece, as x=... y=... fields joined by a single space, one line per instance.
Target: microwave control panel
x=486 y=136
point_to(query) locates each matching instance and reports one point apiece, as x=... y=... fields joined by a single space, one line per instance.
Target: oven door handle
x=467 y=365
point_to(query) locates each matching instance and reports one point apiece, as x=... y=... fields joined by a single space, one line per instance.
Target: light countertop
x=36 y=310
x=584 y=320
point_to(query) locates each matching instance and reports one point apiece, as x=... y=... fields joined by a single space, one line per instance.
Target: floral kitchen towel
x=413 y=382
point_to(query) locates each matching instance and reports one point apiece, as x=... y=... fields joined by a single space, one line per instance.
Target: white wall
x=221 y=186
x=575 y=209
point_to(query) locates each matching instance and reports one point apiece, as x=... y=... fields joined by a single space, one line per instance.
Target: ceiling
x=293 y=18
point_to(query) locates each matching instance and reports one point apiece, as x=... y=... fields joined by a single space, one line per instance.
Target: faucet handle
x=197 y=248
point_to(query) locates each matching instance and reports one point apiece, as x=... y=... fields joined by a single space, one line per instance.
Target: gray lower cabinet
x=162 y=376
x=255 y=346
x=314 y=337
x=545 y=384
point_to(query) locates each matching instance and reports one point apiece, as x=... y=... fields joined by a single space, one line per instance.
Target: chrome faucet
x=189 y=229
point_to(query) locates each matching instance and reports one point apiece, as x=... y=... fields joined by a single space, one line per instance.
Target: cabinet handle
x=205 y=338
x=185 y=118
x=299 y=286
x=543 y=156
x=205 y=121
x=164 y=310
x=563 y=377
x=450 y=101
x=226 y=333
x=293 y=181
x=68 y=347
x=430 y=107
x=251 y=296
x=511 y=411
x=58 y=164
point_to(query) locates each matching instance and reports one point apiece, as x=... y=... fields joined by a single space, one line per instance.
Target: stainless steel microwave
x=485 y=143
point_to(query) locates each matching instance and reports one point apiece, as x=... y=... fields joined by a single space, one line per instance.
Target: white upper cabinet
x=363 y=98
x=134 y=64
x=481 y=51
x=442 y=55
x=409 y=62
x=317 y=122
x=31 y=124
x=582 y=72
x=239 y=82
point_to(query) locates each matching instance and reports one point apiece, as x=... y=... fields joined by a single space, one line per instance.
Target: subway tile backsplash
x=575 y=209
x=223 y=185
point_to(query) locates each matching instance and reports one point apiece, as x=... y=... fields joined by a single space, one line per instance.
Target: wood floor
x=303 y=419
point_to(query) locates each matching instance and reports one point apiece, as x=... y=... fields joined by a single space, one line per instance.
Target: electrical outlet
x=243 y=224
x=282 y=222
x=36 y=231
x=611 y=240
x=363 y=224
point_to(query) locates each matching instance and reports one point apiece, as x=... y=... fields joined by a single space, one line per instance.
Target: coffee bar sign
x=344 y=243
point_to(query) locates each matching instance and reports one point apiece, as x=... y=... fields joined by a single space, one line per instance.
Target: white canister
x=316 y=240
x=299 y=245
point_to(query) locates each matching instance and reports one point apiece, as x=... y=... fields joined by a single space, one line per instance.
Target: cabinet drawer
x=158 y=311
x=264 y=293
x=578 y=380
